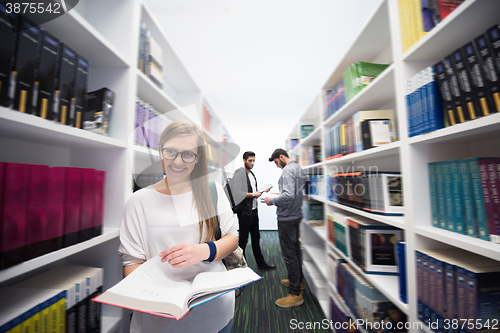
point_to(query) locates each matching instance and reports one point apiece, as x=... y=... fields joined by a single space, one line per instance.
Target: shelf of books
x=70 y=140
x=405 y=171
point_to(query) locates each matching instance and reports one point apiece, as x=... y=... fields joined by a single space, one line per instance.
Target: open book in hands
x=152 y=288
x=267 y=195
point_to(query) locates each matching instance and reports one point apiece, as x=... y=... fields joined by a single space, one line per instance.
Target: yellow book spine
x=412 y=22
x=45 y=318
x=36 y=323
x=61 y=307
x=403 y=25
x=420 y=23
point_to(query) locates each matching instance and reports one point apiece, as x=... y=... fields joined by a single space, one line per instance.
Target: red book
x=99 y=202
x=87 y=204
x=54 y=231
x=36 y=218
x=13 y=226
x=72 y=206
x=447 y=6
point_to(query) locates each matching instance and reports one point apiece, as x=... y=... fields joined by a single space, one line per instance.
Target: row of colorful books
x=367 y=304
x=468 y=79
x=364 y=130
x=370 y=244
x=423 y=103
x=376 y=192
x=456 y=288
x=57 y=300
x=43 y=76
x=149 y=123
x=315 y=184
x=150 y=59
x=312 y=212
x=417 y=17
x=334 y=100
x=43 y=209
x=359 y=75
x=465 y=197
x=311 y=155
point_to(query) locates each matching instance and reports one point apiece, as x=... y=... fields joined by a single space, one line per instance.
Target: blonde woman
x=175 y=219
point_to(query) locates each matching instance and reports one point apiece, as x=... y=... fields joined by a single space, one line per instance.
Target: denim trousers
x=289 y=234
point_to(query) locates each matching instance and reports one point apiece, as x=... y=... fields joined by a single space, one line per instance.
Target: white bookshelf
x=106 y=34
x=379 y=41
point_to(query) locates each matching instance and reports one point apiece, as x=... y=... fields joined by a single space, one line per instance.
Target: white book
x=262 y=189
x=152 y=288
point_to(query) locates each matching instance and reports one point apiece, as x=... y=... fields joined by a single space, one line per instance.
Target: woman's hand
x=185 y=254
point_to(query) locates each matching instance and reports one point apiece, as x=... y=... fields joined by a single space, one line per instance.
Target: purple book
x=54 y=231
x=13 y=227
x=489 y=205
x=428 y=22
x=72 y=206
x=494 y=175
x=87 y=204
x=100 y=183
x=36 y=218
x=2 y=182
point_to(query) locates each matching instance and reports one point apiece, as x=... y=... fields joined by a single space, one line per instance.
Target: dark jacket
x=240 y=185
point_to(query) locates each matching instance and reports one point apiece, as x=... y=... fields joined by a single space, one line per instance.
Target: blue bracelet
x=213 y=251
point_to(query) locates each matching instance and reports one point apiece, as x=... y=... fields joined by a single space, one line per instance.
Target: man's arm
x=288 y=190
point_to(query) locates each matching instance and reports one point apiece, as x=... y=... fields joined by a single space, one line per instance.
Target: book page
x=267 y=195
x=215 y=282
x=262 y=189
x=153 y=281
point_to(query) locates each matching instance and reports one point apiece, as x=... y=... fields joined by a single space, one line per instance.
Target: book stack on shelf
x=335 y=100
x=468 y=79
x=418 y=17
x=375 y=192
x=43 y=76
x=364 y=130
x=45 y=209
x=454 y=286
x=367 y=304
x=305 y=130
x=57 y=300
x=291 y=144
x=464 y=196
x=149 y=123
x=313 y=213
x=315 y=184
x=359 y=75
x=311 y=155
x=150 y=60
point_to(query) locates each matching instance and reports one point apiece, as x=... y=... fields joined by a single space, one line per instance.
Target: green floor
x=255 y=310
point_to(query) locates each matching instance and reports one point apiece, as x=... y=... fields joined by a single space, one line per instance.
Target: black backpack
x=236 y=207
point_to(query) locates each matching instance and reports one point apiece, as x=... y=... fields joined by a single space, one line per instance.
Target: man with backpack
x=244 y=181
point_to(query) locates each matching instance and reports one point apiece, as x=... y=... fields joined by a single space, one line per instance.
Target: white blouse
x=154 y=222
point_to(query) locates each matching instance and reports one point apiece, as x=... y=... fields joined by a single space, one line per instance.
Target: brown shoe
x=286 y=283
x=290 y=301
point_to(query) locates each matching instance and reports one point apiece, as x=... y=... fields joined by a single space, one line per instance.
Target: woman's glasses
x=171 y=154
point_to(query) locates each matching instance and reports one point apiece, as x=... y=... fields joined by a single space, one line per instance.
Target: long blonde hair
x=199 y=181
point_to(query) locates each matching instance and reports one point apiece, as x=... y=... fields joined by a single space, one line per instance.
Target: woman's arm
x=129 y=269
x=187 y=254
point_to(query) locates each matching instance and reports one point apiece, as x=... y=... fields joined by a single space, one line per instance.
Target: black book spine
x=46 y=79
x=366 y=135
x=7 y=53
x=457 y=98
x=65 y=83
x=79 y=92
x=24 y=69
x=490 y=69
x=471 y=104
x=444 y=88
x=479 y=86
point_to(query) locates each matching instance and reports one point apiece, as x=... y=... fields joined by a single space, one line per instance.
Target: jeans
x=289 y=234
x=250 y=225
x=227 y=329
